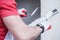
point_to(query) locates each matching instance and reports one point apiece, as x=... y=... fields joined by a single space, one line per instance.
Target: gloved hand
x=22 y=12
x=45 y=25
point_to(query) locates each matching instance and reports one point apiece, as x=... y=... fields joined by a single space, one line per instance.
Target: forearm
x=19 y=29
x=24 y=39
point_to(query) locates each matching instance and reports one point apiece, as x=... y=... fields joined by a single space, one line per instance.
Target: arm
x=14 y=23
x=20 y=31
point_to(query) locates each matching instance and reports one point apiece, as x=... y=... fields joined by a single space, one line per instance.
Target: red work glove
x=22 y=12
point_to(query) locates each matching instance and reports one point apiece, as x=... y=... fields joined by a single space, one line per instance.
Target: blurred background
x=47 y=6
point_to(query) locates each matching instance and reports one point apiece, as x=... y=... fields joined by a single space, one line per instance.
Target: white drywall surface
x=47 y=6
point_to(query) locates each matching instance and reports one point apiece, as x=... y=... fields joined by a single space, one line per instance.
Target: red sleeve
x=8 y=8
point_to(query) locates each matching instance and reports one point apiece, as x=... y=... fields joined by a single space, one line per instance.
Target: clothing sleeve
x=8 y=8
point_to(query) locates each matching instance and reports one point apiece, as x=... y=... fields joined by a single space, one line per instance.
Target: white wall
x=47 y=6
